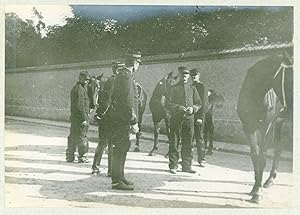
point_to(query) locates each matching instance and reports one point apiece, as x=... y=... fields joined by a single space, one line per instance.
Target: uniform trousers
x=121 y=141
x=198 y=127
x=77 y=138
x=208 y=131
x=183 y=131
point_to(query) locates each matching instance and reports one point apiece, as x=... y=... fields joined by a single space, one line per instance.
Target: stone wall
x=44 y=92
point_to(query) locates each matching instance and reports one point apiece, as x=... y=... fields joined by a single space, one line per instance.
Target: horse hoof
x=151 y=154
x=255 y=190
x=95 y=171
x=136 y=149
x=155 y=148
x=209 y=153
x=269 y=183
x=256 y=199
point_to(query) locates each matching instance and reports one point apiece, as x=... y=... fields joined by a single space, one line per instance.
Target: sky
x=56 y=14
x=138 y=12
x=52 y=14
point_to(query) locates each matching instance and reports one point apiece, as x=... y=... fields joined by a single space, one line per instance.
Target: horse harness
x=282 y=68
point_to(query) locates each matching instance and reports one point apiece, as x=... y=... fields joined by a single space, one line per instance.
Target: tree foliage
x=82 y=39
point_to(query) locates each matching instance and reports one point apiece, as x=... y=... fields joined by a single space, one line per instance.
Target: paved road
x=36 y=175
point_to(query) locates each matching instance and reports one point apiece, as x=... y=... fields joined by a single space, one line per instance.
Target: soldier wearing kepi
x=79 y=120
x=124 y=118
x=183 y=102
x=200 y=115
x=104 y=123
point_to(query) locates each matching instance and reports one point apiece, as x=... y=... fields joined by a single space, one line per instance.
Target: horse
x=142 y=101
x=214 y=100
x=97 y=90
x=265 y=102
x=158 y=110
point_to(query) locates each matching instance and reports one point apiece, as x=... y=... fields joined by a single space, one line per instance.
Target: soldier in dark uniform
x=104 y=124
x=124 y=118
x=200 y=115
x=183 y=102
x=79 y=120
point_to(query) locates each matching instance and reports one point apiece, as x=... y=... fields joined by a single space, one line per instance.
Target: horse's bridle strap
x=282 y=66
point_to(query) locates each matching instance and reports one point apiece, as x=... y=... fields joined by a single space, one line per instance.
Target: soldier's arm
x=81 y=103
x=128 y=88
x=197 y=103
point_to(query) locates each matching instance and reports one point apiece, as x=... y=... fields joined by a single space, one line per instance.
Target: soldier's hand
x=181 y=108
x=199 y=121
x=189 y=110
x=134 y=129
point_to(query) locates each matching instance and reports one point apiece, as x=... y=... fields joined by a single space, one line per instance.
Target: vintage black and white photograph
x=148 y=106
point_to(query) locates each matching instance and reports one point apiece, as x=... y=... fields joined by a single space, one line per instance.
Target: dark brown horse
x=265 y=102
x=215 y=100
x=93 y=88
x=158 y=110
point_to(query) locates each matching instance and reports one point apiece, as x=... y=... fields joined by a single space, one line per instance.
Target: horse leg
x=139 y=134
x=258 y=156
x=254 y=153
x=110 y=157
x=97 y=158
x=210 y=133
x=277 y=151
x=156 y=132
x=167 y=124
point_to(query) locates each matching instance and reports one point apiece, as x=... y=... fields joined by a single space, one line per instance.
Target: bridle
x=282 y=68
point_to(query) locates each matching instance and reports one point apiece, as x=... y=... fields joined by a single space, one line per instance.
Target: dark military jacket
x=182 y=94
x=203 y=93
x=79 y=103
x=124 y=99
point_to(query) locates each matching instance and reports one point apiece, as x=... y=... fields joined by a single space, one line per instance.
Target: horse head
x=93 y=88
x=216 y=98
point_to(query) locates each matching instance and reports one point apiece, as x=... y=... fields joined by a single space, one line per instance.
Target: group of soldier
x=117 y=114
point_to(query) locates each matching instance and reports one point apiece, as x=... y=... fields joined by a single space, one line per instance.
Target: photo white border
x=79 y=211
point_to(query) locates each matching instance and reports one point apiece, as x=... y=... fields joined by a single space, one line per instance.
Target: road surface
x=36 y=175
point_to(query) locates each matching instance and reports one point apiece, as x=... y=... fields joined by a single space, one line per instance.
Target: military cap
x=183 y=70
x=117 y=65
x=194 y=71
x=134 y=55
x=84 y=74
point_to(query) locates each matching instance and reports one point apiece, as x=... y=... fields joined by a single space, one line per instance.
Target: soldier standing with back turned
x=124 y=118
x=103 y=113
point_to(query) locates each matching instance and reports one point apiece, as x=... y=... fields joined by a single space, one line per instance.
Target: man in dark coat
x=124 y=118
x=79 y=120
x=104 y=123
x=183 y=102
x=200 y=115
